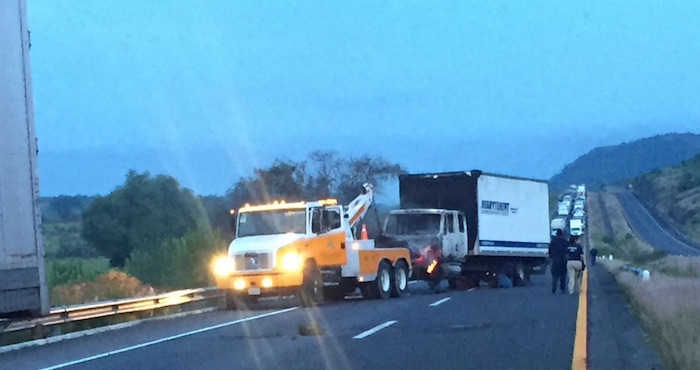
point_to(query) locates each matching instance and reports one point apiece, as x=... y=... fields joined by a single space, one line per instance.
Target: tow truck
x=308 y=249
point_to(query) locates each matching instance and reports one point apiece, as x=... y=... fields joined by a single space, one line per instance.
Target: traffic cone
x=364 y=235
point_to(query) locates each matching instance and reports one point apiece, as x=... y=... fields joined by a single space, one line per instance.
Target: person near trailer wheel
x=557 y=260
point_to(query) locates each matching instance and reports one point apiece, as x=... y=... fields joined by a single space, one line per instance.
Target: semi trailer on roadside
x=482 y=222
x=23 y=290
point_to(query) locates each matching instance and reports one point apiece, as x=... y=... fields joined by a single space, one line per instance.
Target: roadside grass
x=667 y=305
x=669 y=309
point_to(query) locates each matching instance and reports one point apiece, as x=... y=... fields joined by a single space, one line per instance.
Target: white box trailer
x=23 y=290
x=482 y=220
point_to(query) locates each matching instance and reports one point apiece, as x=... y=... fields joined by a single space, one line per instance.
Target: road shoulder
x=616 y=340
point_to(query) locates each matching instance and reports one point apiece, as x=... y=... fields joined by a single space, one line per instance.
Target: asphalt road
x=523 y=328
x=649 y=230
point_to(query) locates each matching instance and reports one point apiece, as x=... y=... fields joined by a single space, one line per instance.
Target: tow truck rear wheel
x=399 y=286
x=380 y=288
x=311 y=291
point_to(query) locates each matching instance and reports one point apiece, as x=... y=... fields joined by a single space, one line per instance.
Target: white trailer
x=22 y=278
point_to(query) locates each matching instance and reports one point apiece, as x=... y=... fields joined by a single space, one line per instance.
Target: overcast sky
x=205 y=91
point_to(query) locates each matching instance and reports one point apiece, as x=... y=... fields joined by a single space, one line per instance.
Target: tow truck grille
x=253 y=261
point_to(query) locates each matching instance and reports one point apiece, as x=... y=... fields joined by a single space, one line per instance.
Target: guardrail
x=67 y=314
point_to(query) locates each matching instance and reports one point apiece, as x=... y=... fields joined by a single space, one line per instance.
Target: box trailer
x=23 y=291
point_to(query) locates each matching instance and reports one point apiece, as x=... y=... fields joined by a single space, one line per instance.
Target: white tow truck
x=308 y=249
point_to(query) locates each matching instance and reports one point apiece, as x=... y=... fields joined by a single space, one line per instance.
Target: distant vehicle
x=579 y=213
x=563 y=210
x=557 y=224
x=576 y=226
x=483 y=222
x=23 y=290
x=581 y=191
x=308 y=249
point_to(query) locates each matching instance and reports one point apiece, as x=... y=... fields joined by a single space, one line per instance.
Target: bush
x=110 y=285
x=177 y=263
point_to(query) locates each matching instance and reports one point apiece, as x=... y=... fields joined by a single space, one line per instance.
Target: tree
x=365 y=169
x=282 y=180
x=141 y=214
x=324 y=174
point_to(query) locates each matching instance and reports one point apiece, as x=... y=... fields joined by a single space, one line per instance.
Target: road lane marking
x=413 y=282
x=375 y=329
x=166 y=339
x=437 y=303
x=578 y=362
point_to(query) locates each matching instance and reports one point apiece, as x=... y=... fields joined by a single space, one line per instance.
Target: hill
x=673 y=193
x=611 y=164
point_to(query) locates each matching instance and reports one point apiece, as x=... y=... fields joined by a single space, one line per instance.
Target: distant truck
x=576 y=226
x=482 y=222
x=558 y=223
x=23 y=290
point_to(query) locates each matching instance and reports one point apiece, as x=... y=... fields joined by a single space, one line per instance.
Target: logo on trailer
x=496 y=208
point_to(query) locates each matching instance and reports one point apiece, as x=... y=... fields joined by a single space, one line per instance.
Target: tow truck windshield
x=271 y=222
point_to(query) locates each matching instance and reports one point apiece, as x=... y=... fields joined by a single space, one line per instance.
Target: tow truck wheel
x=384 y=280
x=399 y=286
x=311 y=291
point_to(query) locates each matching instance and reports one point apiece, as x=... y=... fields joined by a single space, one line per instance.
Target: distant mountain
x=610 y=164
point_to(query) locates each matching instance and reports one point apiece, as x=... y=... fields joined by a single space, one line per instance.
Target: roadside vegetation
x=151 y=235
x=667 y=304
x=673 y=193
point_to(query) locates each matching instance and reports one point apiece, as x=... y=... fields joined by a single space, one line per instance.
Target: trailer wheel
x=522 y=277
x=311 y=291
x=399 y=286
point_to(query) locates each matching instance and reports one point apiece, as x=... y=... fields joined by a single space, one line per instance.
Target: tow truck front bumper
x=261 y=284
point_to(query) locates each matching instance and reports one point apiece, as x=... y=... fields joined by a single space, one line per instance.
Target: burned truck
x=473 y=224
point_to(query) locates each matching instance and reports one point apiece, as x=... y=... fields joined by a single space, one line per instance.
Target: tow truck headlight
x=291 y=262
x=223 y=266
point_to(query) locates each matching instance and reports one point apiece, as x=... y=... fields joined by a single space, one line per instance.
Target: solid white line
x=375 y=329
x=437 y=303
x=166 y=339
x=413 y=282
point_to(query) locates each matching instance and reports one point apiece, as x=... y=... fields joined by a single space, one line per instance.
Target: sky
x=207 y=91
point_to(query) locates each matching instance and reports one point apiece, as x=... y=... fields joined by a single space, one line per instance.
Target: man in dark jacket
x=557 y=261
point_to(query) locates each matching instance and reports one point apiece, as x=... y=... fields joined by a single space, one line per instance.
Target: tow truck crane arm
x=359 y=206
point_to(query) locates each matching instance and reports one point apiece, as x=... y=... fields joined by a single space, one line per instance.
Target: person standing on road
x=557 y=261
x=574 y=265
x=594 y=254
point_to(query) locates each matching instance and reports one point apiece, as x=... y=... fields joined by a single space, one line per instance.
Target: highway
x=524 y=328
x=650 y=231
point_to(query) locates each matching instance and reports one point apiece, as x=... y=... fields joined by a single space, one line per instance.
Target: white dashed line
x=375 y=329
x=437 y=303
